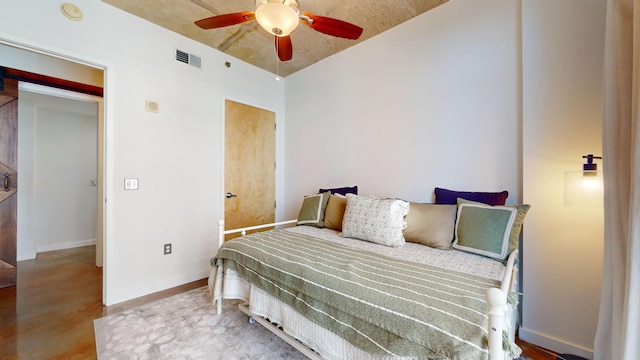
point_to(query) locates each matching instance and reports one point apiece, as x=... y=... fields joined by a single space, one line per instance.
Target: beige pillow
x=335 y=212
x=430 y=224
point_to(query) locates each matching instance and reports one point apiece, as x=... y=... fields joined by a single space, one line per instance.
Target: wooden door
x=9 y=176
x=249 y=166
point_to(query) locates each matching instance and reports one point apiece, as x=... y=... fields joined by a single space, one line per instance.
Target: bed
x=334 y=295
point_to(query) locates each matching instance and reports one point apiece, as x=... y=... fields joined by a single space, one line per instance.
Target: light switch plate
x=131 y=184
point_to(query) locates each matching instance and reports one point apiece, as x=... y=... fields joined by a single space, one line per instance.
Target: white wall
x=175 y=154
x=440 y=101
x=432 y=102
x=563 y=52
x=66 y=161
x=57 y=159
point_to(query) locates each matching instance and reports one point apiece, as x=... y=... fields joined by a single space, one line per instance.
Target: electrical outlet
x=167 y=249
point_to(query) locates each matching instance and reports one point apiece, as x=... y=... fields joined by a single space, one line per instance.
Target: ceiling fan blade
x=225 y=20
x=284 y=48
x=333 y=27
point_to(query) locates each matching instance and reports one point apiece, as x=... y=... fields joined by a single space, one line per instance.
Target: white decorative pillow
x=377 y=220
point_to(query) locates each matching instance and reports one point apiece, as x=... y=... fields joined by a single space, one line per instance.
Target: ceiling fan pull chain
x=277 y=60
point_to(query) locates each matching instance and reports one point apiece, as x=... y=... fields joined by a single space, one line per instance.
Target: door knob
x=230 y=195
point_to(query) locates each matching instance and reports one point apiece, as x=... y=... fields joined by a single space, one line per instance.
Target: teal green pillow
x=312 y=210
x=492 y=231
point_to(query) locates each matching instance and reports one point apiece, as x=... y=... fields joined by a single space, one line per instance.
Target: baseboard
x=159 y=286
x=553 y=344
x=67 y=245
x=29 y=256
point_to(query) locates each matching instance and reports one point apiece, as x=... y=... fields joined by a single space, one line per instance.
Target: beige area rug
x=185 y=326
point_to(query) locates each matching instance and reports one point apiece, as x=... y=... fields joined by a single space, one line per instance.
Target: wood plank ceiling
x=249 y=42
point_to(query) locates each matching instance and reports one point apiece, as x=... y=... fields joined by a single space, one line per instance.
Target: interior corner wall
x=57 y=159
x=433 y=102
x=66 y=160
x=176 y=154
x=563 y=52
x=480 y=95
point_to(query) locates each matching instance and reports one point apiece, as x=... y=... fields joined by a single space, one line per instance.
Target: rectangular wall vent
x=188 y=58
x=182 y=56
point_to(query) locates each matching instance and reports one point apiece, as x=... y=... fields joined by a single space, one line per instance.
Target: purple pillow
x=341 y=191
x=444 y=196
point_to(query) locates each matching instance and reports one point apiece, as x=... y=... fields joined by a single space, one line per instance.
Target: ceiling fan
x=280 y=18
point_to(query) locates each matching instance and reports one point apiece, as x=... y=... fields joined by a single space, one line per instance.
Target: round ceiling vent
x=71 y=11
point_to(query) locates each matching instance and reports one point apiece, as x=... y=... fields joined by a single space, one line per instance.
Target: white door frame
x=106 y=114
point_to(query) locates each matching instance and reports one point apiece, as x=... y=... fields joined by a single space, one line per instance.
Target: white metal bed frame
x=496 y=299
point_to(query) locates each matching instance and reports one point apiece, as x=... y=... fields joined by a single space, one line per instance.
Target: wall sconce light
x=584 y=188
x=590 y=169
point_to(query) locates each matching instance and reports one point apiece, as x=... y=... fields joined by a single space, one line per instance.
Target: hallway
x=58 y=292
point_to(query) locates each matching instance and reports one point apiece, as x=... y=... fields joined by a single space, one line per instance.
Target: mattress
x=445 y=259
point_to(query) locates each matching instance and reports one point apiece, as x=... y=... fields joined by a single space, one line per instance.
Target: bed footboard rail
x=222 y=232
x=497 y=300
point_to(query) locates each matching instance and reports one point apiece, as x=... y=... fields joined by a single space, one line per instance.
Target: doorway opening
x=249 y=166
x=60 y=188
x=60 y=63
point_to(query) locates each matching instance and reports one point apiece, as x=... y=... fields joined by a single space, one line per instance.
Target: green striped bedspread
x=385 y=306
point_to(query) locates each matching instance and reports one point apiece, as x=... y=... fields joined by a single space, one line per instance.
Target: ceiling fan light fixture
x=278 y=17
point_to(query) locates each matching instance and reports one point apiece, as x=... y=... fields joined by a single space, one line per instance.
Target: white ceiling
x=249 y=42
